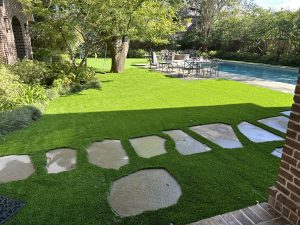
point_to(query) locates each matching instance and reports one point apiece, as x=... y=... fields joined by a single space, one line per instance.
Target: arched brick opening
x=19 y=38
x=285 y=195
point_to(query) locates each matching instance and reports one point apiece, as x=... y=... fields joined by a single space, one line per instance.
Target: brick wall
x=285 y=195
x=14 y=36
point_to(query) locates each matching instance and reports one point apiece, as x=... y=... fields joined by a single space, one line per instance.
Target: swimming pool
x=273 y=73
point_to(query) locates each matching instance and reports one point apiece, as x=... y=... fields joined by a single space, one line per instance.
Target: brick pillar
x=285 y=195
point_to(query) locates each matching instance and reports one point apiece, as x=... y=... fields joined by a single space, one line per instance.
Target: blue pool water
x=288 y=76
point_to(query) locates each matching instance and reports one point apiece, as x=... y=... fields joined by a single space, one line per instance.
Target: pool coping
x=263 y=65
x=269 y=84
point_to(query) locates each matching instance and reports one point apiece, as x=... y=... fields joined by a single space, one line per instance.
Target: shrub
x=10 y=89
x=18 y=118
x=34 y=72
x=290 y=60
x=140 y=53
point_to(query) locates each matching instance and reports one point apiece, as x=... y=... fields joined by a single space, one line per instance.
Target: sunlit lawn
x=140 y=103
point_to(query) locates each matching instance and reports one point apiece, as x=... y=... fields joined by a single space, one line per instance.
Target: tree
x=207 y=12
x=143 y=20
x=114 y=22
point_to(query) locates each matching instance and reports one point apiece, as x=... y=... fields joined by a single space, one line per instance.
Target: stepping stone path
x=257 y=134
x=145 y=190
x=185 y=144
x=220 y=134
x=278 y=123
x=15 y=167
x=287 y=113
x=108 y=154
x=278 y=152
x=61 y=160
x=148 y=147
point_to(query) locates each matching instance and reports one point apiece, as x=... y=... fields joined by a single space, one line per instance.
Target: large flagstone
x=287 y=113
x=145 y=190
x=278 y=152
x=61 y=160
x=185 y=144
x=279 y=123
x=220 y=134
x=148 y=147
x=15 y=168
x=108 y=154
x=257 y=134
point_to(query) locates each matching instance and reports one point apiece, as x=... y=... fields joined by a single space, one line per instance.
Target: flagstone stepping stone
x=287 y=113
x=220 y=134
x=61 y=160
x=15 y=168
x=278 y=152
x=185 y=144
x=148 y=147
x=278 y=123
x=108 y=154
x=145 y=190
x=257 y=134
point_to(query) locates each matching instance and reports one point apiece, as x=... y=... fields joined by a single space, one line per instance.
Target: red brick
x=289 y=160
x=295 y=171
x=287 y=202
x=296 y=155
x=287 y=150
x=291 y=134
x=294 y=188
x=293 y=125
x=295 y=198
x=293 y=218
x=10 y=9
x=293 y=144
x=281 y=180
x=295 y=117
x=285 y=165
x=286 y=212
x=286 y=175
x=282 y=189
x=297 y=181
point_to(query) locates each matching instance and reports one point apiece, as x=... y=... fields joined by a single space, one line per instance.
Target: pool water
x=273 y=73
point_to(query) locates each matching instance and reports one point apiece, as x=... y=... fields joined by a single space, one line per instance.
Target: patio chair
x=215 y=67
x=188 y=65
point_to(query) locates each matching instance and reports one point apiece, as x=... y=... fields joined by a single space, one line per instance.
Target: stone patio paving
x=145 y=190
x=148 y=147
x=15 y=168
x=185 y=144
x=279 y=123
x=60 y=160
x=108 y=154
x=220 y=134
x=257 y=134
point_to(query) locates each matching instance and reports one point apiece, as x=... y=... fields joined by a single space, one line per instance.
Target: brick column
x=285 y=195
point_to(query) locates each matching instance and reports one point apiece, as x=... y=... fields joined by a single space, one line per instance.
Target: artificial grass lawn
x=140 y=103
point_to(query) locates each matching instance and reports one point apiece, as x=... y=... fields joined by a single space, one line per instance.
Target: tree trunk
x=119 y=49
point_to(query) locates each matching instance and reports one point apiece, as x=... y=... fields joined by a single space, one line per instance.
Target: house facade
x=14 y=33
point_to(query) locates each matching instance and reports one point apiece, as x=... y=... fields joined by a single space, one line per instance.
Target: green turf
x=139 y=103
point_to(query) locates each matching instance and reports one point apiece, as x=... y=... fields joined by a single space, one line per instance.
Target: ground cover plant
x=139 y=103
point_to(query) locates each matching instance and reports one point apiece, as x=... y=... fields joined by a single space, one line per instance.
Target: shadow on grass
x=72 y=129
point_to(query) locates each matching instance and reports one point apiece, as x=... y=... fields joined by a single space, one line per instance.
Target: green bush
x=34 y=72
x=133 y=53
x=18 y=118
x=10 y=89
x=284 y=60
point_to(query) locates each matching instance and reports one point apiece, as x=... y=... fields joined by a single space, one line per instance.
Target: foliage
x=76 y=26
x=33 y=72
x=10 y=89
x=139 y=53
x=18 y=118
